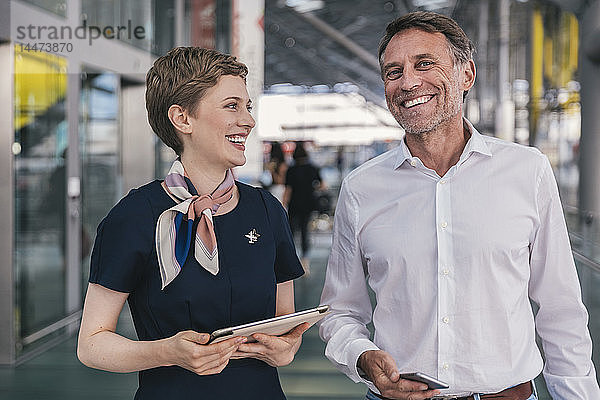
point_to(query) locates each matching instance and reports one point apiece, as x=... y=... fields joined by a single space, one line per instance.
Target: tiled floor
x=57 y=374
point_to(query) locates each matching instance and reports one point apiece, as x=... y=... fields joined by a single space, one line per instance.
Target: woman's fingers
x=192 y=352
x=213 y=365
x=212 y=358
x=195 y=337
x=275 y=350
x=298 y=331
x=216 y=359
x=293 y=335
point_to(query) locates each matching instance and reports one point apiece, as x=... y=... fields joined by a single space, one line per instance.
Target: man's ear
x=468 y=75
x=180 y=119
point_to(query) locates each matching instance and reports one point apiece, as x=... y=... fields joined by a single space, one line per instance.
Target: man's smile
x=415 y=102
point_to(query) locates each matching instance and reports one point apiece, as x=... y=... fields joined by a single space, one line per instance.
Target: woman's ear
x=180 y=119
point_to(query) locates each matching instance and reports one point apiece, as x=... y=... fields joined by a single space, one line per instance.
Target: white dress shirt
x=454 y=262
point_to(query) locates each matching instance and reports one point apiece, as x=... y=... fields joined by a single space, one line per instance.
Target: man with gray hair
x=455 y=232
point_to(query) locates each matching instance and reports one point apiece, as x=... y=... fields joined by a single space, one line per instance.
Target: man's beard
x=419 y=125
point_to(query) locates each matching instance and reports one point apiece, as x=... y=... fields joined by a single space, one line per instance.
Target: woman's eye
x=232 y=106
x=249 y=108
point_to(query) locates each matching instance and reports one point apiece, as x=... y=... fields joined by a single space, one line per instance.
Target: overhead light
x=303 y=6
x=433 y=4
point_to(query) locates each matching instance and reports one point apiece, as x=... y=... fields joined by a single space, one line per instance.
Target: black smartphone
x=430 y=381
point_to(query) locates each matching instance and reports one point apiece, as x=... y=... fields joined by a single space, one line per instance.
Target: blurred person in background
x=157 y=249
x=457 y=233
x=277 y=168
x=301 y=181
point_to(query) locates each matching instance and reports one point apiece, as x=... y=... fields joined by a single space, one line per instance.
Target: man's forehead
x=418 y=32
x=417 y=43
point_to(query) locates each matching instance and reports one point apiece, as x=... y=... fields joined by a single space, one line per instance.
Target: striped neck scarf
x=175 y=225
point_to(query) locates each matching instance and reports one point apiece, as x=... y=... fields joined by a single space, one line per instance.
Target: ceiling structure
x=298 y=53
x=316 y=42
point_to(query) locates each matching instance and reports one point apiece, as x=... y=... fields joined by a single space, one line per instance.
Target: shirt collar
x=475 y=144
x=403 y=153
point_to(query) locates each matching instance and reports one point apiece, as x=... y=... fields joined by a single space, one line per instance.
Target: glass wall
x=131 y=14
x=223 y=26
x=40 y=84
x=100 y=155
x=58 y=7
x=156 y=17
x=164 y=20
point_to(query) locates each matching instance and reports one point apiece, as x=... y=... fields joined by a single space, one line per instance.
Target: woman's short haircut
x=461 y=46
x=182 y=77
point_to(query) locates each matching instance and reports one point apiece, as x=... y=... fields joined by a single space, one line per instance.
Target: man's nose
x=410 y=79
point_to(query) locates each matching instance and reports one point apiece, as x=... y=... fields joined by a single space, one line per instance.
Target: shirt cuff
x=355 y=349
x=573 y=387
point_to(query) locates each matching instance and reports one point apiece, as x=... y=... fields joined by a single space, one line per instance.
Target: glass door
x=100 y=155
x=40 y=88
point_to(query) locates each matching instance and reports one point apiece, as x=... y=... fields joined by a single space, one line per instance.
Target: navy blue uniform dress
x=124 y=259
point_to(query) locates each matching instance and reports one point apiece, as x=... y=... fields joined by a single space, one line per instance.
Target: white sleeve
x=562 y=318
x=345 y=291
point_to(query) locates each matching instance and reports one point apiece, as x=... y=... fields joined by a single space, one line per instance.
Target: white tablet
x=272 y=326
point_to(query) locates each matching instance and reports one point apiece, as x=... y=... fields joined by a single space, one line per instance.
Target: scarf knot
x=201 y=203
x=174 y=232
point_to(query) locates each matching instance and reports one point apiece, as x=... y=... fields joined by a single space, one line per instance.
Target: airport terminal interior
x=75 y=125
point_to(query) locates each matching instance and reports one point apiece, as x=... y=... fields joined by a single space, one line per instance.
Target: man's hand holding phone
x=381 y=369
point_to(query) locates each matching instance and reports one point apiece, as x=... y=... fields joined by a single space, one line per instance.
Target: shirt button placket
x=445 y=328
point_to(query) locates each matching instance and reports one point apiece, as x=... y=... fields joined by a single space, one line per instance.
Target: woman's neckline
x=234 y=209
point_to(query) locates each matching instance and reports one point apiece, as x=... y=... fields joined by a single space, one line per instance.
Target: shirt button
x=413 y=163
x=442 y=181
x=445 y=320
x=445 y=366
x=446 y=271
x=444 y=224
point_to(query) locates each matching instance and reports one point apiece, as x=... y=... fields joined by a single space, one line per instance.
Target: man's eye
x=425 y=63
x=393 y=74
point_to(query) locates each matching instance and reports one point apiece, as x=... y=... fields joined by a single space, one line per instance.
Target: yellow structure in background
x=40 y=83
x=537 y=77
x=554 y=62
x=559 y=54
x=570 y=48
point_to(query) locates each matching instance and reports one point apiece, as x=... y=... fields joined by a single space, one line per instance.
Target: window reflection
x=152 y=15
x=40 y=83
x=58 y=7
x=99 y=152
